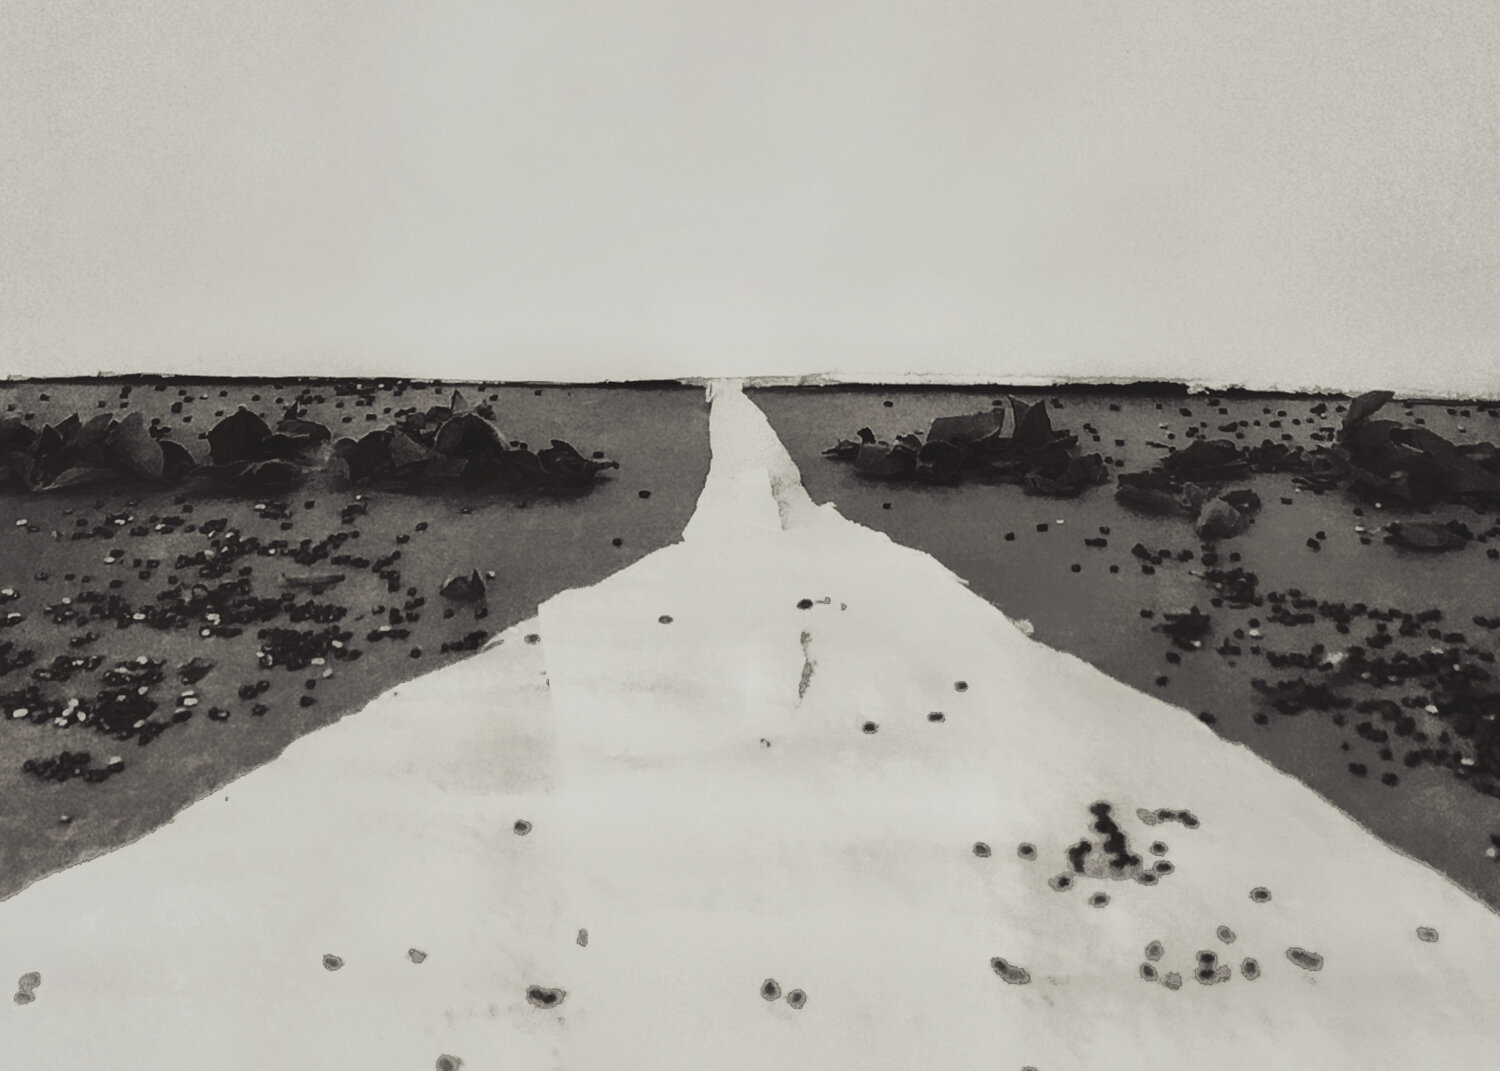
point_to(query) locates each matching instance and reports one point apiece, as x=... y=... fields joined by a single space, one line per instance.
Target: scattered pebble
x=1011 y=974
x=543 y=997
x=1426 y=933
x=1308 y=961
x=332 y=962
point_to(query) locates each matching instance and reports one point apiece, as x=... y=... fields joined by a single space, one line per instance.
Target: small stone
x=797 y=999
x=1010 y=973
x=1308 y=961
x=770 y=990
x=332 y=962
x=522 y=827
x=1427 y=933
x=543 y=997
x=415 y=955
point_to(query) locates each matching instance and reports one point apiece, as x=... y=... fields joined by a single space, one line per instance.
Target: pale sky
x=1275 y=193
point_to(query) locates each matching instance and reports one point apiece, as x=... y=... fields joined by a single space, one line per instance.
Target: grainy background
x=1277 y=193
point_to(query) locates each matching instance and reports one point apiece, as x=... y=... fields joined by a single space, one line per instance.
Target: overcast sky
x=1293 y=193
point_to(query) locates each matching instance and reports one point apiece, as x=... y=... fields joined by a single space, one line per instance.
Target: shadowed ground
x=535 y=545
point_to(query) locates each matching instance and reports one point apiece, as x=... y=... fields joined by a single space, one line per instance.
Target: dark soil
x=138 y=702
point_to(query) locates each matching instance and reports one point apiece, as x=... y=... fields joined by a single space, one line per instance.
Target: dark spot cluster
x=1187 y=819
x=67 y=765
x=770 y=991
x=1106 y=854
x=1206 y=969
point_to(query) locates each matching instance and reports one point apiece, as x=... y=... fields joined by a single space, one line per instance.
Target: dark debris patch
x=1260 y=894
x=1308 y=961
x=1187 y=819
x=770 y=990
x=1041 y=460
x=447 y=1062
x=332 y=962
x=544 y=997
x=1010 y=973
x=1427 y=933
x=797 y=999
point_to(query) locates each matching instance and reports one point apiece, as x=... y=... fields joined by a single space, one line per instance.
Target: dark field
x=119 y=586
x=1404 y=742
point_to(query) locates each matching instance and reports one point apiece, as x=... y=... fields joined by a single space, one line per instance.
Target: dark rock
x=470 y=588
